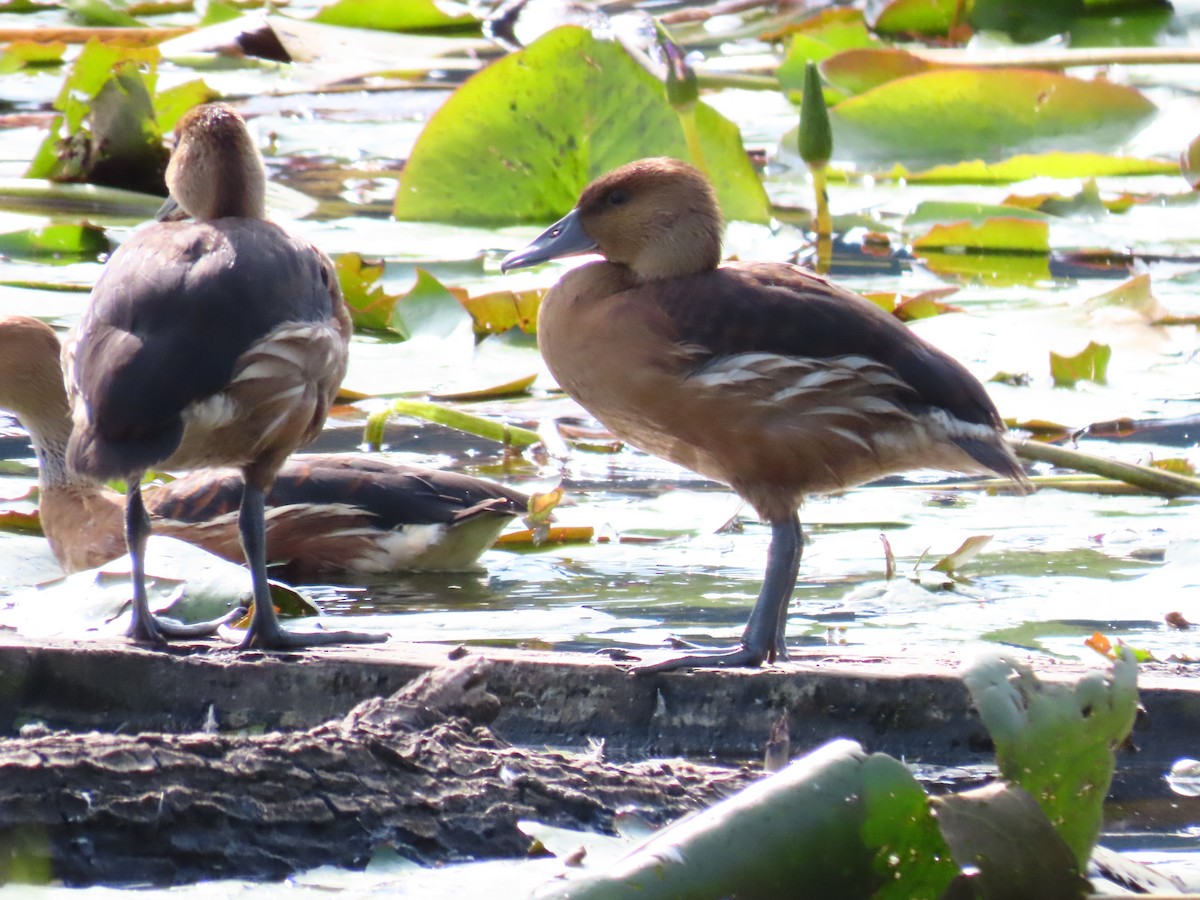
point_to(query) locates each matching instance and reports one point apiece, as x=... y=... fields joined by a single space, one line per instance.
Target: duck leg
x=265 y=632
x=145 y=627
x=763 y=639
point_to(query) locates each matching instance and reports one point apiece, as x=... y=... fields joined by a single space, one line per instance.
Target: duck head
x=657 y=217
x=215 y=169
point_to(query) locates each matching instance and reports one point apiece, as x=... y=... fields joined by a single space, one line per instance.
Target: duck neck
x=49 y=430
x=691 y=247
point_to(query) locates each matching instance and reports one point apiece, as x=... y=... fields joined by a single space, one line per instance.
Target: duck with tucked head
x=758 y=374
x=326 y=513
x=220 y=341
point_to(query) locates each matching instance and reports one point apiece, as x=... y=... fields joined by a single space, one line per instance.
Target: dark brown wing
x=392 y=494
x=174 y=309
x=794 y=313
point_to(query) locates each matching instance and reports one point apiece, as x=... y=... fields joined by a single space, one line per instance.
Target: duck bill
x=565 y=237
x=170 y=211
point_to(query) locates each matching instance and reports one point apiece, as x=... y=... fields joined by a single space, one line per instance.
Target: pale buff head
x=215 y=169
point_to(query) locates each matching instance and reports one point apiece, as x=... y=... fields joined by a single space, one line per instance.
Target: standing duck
x=758 y=374
x=325 y=514
x=216 y=342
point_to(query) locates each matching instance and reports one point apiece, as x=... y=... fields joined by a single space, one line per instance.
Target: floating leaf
x=837 y=822
x=1006 y=846
x=86 y=241
x=855 y=71
x=370 y=305
x=908 y=17
x=107 y=132
x=1007 y=234
x=1035 y=165
x=99 y=14
x=1087 y=203
x=1090 y=364
x=398 y=15
x=966 y=552
x=498 y=311
x=1056 y=740
x=929 y=212
x=20 y=521
x=171 y=104
x=909 y=308
x=992 y=267
x=985 y=112
x=507 y=389
x=1134 y=295
x=429 y=308
x=819 y=37
x=17 y=55
x=520 y=140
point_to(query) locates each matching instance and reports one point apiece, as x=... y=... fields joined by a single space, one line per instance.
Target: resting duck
x=758 y=374
x=217 y=342
x=327 y=514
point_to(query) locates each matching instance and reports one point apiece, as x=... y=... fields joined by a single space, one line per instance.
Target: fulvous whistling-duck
x=216 y=342
x=325 y=513
x=758 y=374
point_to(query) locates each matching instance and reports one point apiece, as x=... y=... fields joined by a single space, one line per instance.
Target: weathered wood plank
x=910 y=708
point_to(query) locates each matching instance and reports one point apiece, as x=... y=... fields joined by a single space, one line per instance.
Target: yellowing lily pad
x=819 y=37
x=963 y=113
x=1003 y=234
x=397 y=15
x=1035 y=165
x=916 y=16
x=19 y=54
x=1091 y=364
x=498 y=311
x=520 y=140
x=855 y=71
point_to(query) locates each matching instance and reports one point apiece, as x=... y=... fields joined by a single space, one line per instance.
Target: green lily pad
x=1057 y=740
x=183 y=582
x=69 y=242
x=965 y=113
x=20 y=54
x=835 y=823
x=1006 y=847
x=1090 y=364
x=999 y=234
x=428 y=308
x=369 y=304
x=109 y=131
x=903 y=17
x=1036 y=165
x=931 y=212
x=396 y=15
x=859 y=70
x=99 y=14
x=991 y=267
x=520 y=140
x=818 y=38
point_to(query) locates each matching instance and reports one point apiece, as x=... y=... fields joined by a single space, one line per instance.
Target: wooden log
x=419 y=772
x=914 y=709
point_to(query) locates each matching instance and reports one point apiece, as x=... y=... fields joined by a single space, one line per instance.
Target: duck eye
x=617 y=198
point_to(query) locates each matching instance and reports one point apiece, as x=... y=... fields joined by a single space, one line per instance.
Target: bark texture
x=419 y=771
